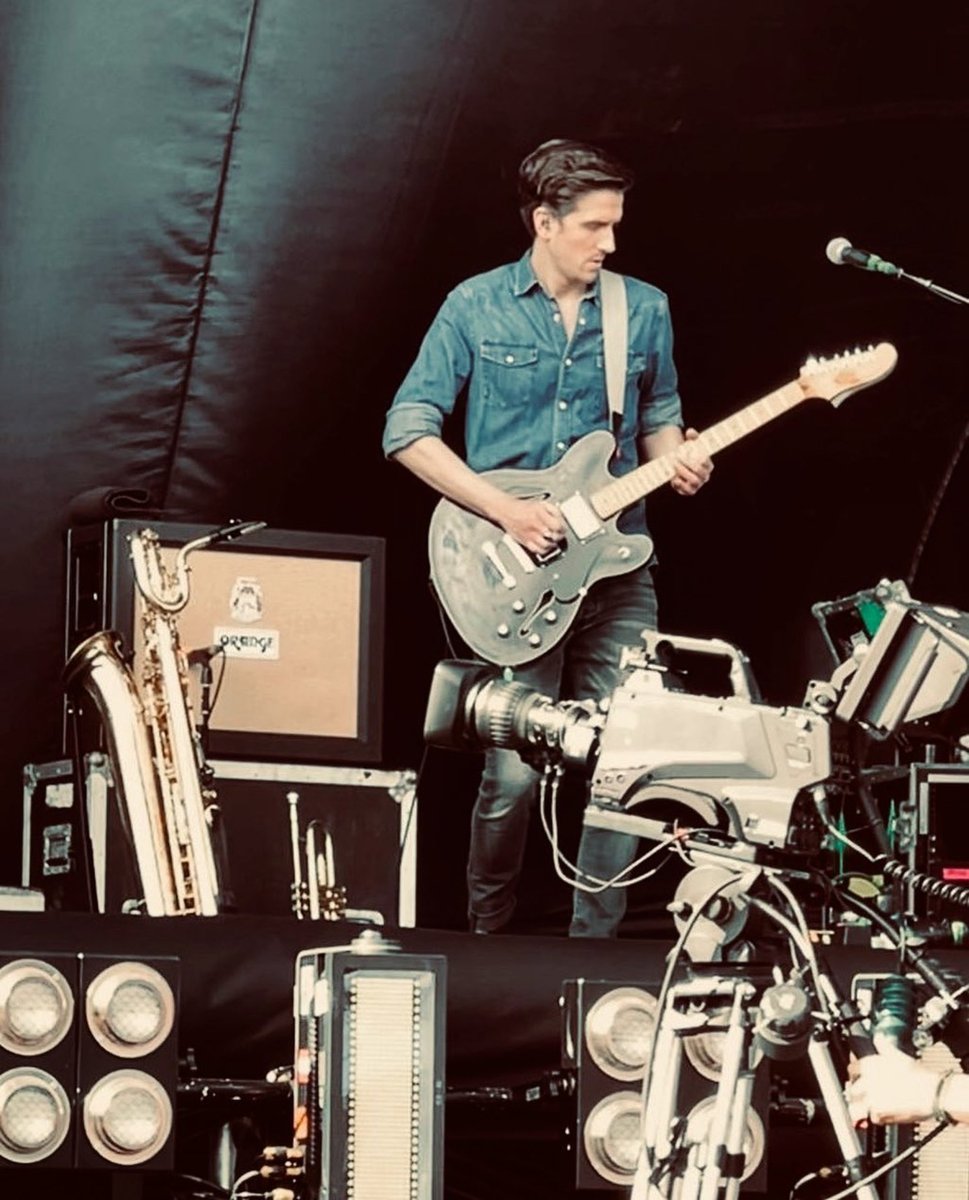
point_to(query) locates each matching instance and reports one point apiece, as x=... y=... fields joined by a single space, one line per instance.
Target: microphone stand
x=934 y=288
x=205 y=703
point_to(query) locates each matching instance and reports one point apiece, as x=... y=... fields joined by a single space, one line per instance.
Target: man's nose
x=607 y=242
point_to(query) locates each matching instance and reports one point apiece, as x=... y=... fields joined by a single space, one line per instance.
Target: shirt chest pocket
x=509 y=373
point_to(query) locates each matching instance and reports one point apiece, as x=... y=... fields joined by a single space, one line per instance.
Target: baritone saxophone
x=161 y=780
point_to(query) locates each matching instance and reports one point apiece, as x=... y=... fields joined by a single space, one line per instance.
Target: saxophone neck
x=164 y=590
x=168 y=590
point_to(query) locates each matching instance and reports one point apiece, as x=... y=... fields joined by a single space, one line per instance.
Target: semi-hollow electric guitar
x=510 y=605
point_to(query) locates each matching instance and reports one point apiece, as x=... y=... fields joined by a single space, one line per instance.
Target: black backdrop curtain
x=223 y=227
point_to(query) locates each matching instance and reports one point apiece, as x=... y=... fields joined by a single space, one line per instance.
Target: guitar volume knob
x=534 y=640
x=503 y=631
x=551 y=616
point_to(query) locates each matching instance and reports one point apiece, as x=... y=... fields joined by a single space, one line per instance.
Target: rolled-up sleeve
x=433 y=383
x=659 y=400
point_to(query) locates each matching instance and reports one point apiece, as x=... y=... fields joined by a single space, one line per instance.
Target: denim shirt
x=531 y=391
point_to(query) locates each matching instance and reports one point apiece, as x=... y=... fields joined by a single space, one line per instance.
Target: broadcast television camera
x=686 y=722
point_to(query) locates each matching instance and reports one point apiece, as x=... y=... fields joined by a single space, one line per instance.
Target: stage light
x=127 y=1062
x=36 y=1006
x=88 y=1061
x=754 y=1141
x=127 y=1117
x=130 y=1009
x=704 y=1050
x=608 y=1031
x=613 y=1136
x=369 y=1096
x=619 y=1030
x=35 y=1115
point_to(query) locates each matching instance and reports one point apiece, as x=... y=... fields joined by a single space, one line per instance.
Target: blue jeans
x=584 y=665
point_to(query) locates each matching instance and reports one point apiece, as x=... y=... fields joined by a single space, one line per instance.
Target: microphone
x=841 y=252
x=227 y=532
x=203 y=655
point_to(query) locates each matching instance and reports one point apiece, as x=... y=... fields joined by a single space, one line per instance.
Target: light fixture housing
x=369 y=1088
x=128 y=1117
x=619 y=1030
x=35 y=1115
x=130 y=1009
x=36 y=1006
x=612 y=1136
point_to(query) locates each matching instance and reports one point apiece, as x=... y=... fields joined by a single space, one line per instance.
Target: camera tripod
x=709 y=1158
x=757 y=1012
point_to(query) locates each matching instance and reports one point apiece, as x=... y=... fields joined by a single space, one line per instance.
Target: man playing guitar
x=524 y=343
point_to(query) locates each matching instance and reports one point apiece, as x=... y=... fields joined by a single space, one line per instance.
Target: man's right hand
x=536 y=524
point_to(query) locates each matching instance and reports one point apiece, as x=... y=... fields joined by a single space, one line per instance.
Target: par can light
x=613 y=1136
x=36 y=1006
x=754 y=1137
x=127 y=1117
x=619 y=1031
x=35 y=1115
x=130 y=1009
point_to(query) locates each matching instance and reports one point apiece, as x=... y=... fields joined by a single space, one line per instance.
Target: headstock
x=835 y=379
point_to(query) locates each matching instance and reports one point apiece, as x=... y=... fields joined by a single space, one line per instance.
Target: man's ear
x=542 y=219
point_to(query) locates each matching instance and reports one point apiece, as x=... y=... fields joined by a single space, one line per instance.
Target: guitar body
x=511 y=606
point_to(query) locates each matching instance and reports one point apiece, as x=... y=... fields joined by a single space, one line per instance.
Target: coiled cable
x=928 y=885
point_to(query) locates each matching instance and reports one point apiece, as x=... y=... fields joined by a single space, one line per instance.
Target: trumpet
x=315 y=893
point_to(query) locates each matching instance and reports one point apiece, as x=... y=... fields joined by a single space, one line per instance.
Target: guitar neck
x=627 y=489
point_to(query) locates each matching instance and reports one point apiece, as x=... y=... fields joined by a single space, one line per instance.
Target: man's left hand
x=693 y=466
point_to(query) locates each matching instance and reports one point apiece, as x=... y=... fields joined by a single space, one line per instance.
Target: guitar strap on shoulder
x=615 y=342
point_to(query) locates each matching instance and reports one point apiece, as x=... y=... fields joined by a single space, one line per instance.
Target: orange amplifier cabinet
x=290 y=625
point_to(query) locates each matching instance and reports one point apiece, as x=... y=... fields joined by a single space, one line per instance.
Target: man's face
x=577 y=244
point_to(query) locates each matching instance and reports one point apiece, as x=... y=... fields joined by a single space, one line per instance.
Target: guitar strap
x=615 y=343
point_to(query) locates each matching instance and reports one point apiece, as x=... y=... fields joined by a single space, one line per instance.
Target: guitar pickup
x=580 y=516
x=490 y=551
x=521 y=554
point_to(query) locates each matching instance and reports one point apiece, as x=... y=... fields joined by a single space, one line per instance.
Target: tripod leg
x=844 y=1131
x=659 y=1112
x=738 y=1131
x=736 y=1048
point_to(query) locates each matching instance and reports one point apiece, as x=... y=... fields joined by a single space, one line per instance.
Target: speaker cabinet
x=291 y=625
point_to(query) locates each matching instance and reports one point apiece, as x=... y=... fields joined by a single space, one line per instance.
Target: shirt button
x=509 y=358
x=560 y=445
x=556 y=316
x=568 y=362
x=563 y=405
x=581 y=320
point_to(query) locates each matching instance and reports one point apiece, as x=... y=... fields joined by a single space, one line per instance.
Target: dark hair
x=560 y=171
